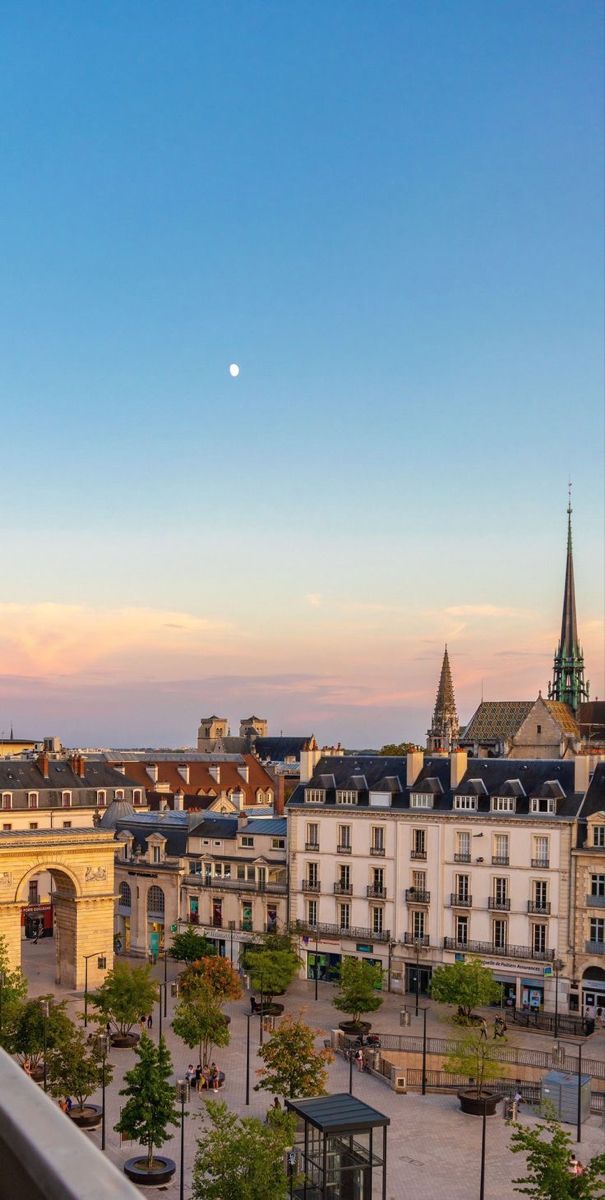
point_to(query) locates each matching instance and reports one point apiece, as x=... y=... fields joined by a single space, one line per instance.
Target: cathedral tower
x=445 y=730
x=568 y=671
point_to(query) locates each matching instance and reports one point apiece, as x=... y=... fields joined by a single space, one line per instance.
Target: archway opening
x=47 y=900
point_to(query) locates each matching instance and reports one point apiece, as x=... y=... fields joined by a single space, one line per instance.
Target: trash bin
x=404 y=1017
x=174 y=989
x=375 y=1060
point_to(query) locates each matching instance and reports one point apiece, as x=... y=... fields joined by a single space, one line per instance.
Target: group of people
x=66 y=1105
x=205 y=1076
x=146 y=1021
x=499 y=1028
x=595 y=1014
x=575 y=1166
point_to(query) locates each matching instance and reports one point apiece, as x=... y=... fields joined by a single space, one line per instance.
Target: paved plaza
x=433 y=1150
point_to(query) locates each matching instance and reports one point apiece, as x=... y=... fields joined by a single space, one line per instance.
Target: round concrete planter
x=125 y=1041
x=88 y=1117
x=475 y=1106
x=355 y=1028
x=136 y=1169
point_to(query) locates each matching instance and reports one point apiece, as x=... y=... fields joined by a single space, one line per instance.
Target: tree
x=150 y=1107
x=398 y=749
x=358 y=983
x=199 y=1022
x=126 y=994
x=242 y=1158
x=31 y=1028
x=548 y=1149
x=14 y=990
x=272 y=971
x=189 y=946
x=475 y=1058
x=465 y=984
x=75 y=1067
x=293 y=1066
x=219 y=976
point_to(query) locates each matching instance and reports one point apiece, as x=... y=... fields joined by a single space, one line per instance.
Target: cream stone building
x=588 y=913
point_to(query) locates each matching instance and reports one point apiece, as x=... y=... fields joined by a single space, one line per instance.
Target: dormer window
x=66 y=799
x=543 y=805
x=465 y=803
x=101 y=799
x=314 y=795
x=137 y=796
x=421 y=800
x=7 y=800
x=119 y=794
x=247 y=841
x=598 y=836
x=344 y=796
x=32 y=799
x=504 y=804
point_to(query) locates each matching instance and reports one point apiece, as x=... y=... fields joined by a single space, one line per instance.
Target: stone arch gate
x=81 y=862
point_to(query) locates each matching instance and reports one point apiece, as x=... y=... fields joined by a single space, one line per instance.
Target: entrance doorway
x=593 y=988
x=418 y=979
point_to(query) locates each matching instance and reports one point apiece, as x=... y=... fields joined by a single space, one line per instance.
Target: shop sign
x=361 y=948
x=502 y=964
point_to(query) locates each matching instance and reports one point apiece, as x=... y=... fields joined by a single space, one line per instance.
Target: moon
x=233 y=370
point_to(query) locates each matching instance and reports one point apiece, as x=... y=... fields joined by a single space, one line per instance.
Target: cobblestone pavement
x=433 y=1149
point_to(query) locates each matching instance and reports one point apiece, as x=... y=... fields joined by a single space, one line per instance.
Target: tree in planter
x=199 y=1021
x=190 y=946
x=468 y=985
x=28 y=1036
x=242 y=1158
x=474 y=1057
x=548 y=1149
x=277 y=940
x=150 y=1107
x=272 y=971
x=14 y=991
x=75 y=1068
x=126 y=994
x=218 y=976
x=293 y=1066
x=358 y=983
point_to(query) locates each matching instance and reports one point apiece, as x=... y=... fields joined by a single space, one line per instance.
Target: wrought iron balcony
x=595 y=901
x=421 y=854
x=310 y=885
x=507 y=951
x=357 y=933
x=466 y=857
x=417 y=896
x=376 y=892
x=343 y=889
x=377 y=851
x=500 y=860
x=540 y=864
x=311 y=845
x=595 y=947
x=343 y=849
x=420 y=942
x=235 y=885
x=539 y=907
x=461 y=900
x=499 y=904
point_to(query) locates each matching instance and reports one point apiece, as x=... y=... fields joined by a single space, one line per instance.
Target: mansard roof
x=430 y=785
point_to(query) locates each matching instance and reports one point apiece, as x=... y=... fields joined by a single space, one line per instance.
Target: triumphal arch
x=81 y=862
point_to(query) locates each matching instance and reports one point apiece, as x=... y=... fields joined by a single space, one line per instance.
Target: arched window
x=155 y=900
x=125 y=896
x=136 y=796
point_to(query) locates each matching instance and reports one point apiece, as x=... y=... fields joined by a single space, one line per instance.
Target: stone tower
x=445 y=730
x=568 y=670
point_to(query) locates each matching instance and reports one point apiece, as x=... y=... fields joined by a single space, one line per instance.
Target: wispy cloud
x=489 y=611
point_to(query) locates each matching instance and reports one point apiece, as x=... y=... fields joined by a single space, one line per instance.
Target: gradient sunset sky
x=390 y=214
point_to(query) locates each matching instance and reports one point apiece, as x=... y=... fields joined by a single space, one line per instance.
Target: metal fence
x=409 y=1044
x=532 y=1019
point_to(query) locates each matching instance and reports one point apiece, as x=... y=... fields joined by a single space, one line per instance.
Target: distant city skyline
x=390 y=218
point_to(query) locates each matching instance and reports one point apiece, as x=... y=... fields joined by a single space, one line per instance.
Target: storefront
x=532 y=994
x=593 y=988
x=328 y=966
x=418 y=978
x=37 y=921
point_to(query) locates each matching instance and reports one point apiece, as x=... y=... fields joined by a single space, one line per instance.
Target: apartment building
x=413 y=863
x=214 y=780
x=588 y=871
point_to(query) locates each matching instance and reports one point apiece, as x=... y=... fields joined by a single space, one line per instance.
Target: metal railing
x=377 y=851
x=539 y=907
x=343 y=848
x=410 y=940
x=417 y=896
x=458 y=901
x=463 y=858
x=311 y=845
x=500 y=860
x=356 y=932
x=217 y=884
x=418 y=854
x=506 y=951
x=513 y=1055
x=498 y=905
x=310 y=885
x=374 y=891
x=343 y=889
x=540 y=864
x=595 y=947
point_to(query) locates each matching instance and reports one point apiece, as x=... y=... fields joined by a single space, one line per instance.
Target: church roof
x=496 y=720
x=445 y=703
x=563 y=715
x=568 y=645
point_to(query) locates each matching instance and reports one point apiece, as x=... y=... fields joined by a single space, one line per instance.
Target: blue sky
x=391 y=216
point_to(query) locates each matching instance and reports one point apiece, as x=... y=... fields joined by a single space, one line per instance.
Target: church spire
x=568 y=670
x=445 y=730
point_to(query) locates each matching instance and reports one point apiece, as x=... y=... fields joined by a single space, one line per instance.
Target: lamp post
x=417 y=944
x=247 y=1058
x=162 y=988
x=316 y=962
x=424 y=1012
x=558 y=966
x=579 y=1107
x=104 y=1044
x=1 y=996
x=351 y=1057
x=261 y=1016
x=45 y=1015
x=101 y=963
x=484 y=1123
x=182 y=1095
x=165 y=983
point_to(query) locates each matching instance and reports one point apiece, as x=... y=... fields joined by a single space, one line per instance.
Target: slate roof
x=496 y=720
x=278 y=749
x=25 y=775
x=173 y=826
x=594 y=800
x=272 y=827
x=118 y=810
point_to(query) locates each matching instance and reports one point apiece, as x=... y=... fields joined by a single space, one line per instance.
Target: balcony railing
x=595 y=947
x=421 y=854
x=500 y=860
x=343 y=889
x=235 y=885
x=311 y=845
x=595 y=901
x=376 y=892
x=417 y=896
x=506 y=951
x=466 y=857
x=343 y=848
x=458 y=900
x=540 y=864
x=356 y=932
x=310 y=885
x=409 y=939
x=539 y=907
x=498 y=904
x=377 y=851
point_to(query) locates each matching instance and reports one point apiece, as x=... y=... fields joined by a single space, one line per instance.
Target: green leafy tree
x=126 y=994
x=199 y=1021
x=293 y=1066
x=242 y=1158
x=28 y=1033
x=14 y=990
x=548 y=1149
x=217 y=974
x=398 y=749
x=272 y=971
x=189 y=946
x=358 y=983
x=75 y=1067
x=150 y=1107
x=468 y=985
x=475 y=1058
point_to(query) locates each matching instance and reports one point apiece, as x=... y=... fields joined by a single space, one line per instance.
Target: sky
x=390 y=216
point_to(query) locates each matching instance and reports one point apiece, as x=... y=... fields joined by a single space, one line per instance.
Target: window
x=463 y=847
x=312 y=874
x=119 y=794
x=33 y=824
x=419 y=881
x=500 y=853
x=217 y=913
x=543 y=805
x=247 y=917
x=500 y=893
x=344 y=836
x=344 y=877
x=312 y=834
x=462 y=887
x=346 y=797
x=6 y=828
x=597 y=885
x=278 y=843
x=503 y=803
x=137 y=797
x=377 y=919
x=462 y=930
x=241 y=871
x=378 y=881
x=101 y=799
x=377 y=842
x=33 y=892
x=155 y=900
x=247 y=841
x=67 y=824
x=312 y=912
x=125 y=895
x=251 y=874
x=419 y=843
x=466 y=802
x=7 y=800
x=598 y=835
x=500 y=934
x=538 y=938
x=65 y=799
x=538 y=729
x=218 y=870
x=344 y=916
x=217 y=843
x=315 y=795
x=541 y=894
x=157 y=854
x=418 y=924
x=421 y=800
x=32 y=800
x=540 y=854
x=597 y=929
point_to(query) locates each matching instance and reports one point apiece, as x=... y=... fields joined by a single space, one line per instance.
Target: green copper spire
x=568 y=671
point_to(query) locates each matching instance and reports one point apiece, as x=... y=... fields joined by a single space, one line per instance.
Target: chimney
x=215 y=771
x=81 y=766
x=415 y=763
x=581 y=773
x=244 y=771
x=183 y=770
x=42 y=764
x=308 y=762
x=163 y=805
x=279 y=793
x=179 y=801
x=458 y=764
x=237 y=800
x=153 y=771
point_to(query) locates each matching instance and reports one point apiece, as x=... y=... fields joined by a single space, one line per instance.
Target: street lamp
x=484 y=1123
x=424 y=1012
x=1 y=992
x=247 y=1058
x=558 y=966
x=418 y=946
x=316 y=961
x=101 y=964
x=162 y=988
x=103 y=1041
x=351 y=1056
x=45 y=1015
x=182 y=1095
x=579 y=1107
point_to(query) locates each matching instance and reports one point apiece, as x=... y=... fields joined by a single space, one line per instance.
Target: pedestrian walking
x=499 y=1027
x=484 y=1029
x=359 y=1059
x=150 y=1021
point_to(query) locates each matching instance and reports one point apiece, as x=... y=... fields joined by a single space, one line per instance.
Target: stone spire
x=445 y=730
x=568 y=671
